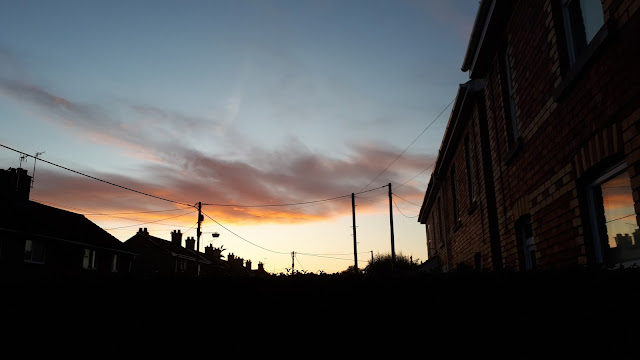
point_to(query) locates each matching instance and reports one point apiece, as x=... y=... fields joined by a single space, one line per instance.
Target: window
x=34 y=251
x=470 y=166
x=431 y=242
x=477 y=261
x=115 y=263
x=89 y=261
x=454 y=195
x=441 y=223
x=181 y=265
x=508 y=94
x=616 y=237
x=582 y=21
x=526 y=243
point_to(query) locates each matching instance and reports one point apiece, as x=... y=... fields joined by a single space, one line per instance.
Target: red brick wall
x=592 y=114
x=471 y=236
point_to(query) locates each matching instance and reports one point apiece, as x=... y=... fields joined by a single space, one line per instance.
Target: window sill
x=514 y=151
x=579 y=67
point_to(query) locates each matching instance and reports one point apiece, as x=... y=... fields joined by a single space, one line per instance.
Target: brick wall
x=467 y=238
x=573 y=119
x=562 y=136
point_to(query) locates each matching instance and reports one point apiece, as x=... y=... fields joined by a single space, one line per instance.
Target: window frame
x=526 y=242
x=577 y=43
x=91 y=264
x=454 y=196
x=39 y=244
x=510 y=101
x=431 y=240
x=470 y=170
x=441 y=224
x=115 y=263
x=597 y=221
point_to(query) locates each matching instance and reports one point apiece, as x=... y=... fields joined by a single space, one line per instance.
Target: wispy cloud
x=290 y=174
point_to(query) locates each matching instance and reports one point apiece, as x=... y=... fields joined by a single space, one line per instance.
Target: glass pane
x=622 y=229
x=27 y=250
x=592 y=17
x=85 y=261
x=37 y=252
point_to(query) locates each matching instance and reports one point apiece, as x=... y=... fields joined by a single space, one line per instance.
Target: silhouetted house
x=43 y=242
x=238 y=265
x=552 y=124
x=162 y=257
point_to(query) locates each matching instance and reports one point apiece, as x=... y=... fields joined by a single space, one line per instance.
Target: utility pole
x=393 y=246
x=293 y=263
x=355 y=244
x=200 y=218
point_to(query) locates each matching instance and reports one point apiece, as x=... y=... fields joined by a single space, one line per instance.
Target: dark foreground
x=500 y=315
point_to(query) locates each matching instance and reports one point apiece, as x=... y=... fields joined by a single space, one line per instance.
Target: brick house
x=556 y=140
x=42 y=242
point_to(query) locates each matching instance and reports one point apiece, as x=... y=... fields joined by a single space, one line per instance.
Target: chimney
x=15 y=184
x=248 y=264
x=176 y=237
x=190 y=243
x=143 y=231
x=260 y=267
x=212 y=253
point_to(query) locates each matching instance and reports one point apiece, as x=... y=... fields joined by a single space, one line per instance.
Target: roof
x=45 y=221
x=456 y=123
x=490 y=19
x=170 y=248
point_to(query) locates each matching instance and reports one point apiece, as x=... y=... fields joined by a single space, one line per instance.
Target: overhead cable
x=97 y=179
x=407 y=148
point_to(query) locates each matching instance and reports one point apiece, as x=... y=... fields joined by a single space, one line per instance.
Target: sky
x=236 y=104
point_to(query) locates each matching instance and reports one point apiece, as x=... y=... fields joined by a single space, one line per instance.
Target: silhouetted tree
x=382 y=265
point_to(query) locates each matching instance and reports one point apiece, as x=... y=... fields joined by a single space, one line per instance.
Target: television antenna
x=33 y=174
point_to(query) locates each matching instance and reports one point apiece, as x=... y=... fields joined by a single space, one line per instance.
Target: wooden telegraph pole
x=355 y=244
x=200 y=218
x=393 y=246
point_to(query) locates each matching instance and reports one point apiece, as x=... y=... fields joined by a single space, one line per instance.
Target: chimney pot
x=176 y=237
x=190 y=243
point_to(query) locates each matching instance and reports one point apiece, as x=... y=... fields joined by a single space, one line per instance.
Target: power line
x=97 y=179
x=400 y=197
x=269 y=250
x=182 y=203
x=84 y=212
x=420 y=173
x=403 y=214
x=152 y=222
x=407 y=148
x=131 y=213
x=240 y=237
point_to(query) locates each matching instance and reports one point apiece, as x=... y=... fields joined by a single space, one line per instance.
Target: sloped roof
x=49 y=222
x=170 y=248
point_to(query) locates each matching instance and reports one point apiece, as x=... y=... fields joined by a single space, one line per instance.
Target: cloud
x=281 y=177
x=254 y=175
